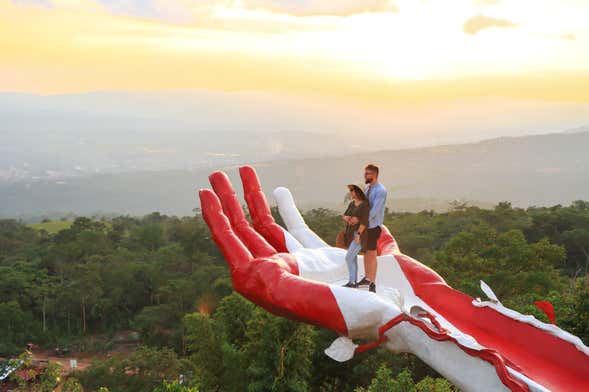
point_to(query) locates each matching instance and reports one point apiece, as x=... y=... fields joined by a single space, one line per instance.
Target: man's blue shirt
x=377 y=197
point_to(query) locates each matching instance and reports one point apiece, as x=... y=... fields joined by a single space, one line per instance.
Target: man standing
x=377 y=196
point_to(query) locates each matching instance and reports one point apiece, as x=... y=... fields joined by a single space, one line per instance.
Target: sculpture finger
x=256 y=244
x=294 y=221
x=235 y=252
x=259 y=209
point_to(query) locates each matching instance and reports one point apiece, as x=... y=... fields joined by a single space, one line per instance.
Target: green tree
x=203 y=349
x=384 y=381
x=279 y=353
x=86 y=286
x=579 y=317
x=505 y=261
x=72 y=385
x=144 y=370
x=49 y=378
x=231 y=319
x=578 y=239
x=430 y=384
x=150 y=237
x=175 y=387
x=17 y=327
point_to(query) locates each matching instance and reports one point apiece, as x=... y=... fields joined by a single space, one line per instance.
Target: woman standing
x=356 y=218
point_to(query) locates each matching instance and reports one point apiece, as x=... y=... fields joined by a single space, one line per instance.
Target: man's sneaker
x=364 y=282
x=351 y=285
x=372 y=287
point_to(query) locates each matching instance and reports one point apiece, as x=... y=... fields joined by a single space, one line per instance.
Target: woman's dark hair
x=358 y=191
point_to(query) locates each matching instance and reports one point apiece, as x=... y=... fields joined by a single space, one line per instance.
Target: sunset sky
x=410 y=50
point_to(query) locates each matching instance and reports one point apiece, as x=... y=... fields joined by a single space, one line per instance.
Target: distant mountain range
x=578 y=130
x=66 y=136
x=530 y=170
x=63 y=155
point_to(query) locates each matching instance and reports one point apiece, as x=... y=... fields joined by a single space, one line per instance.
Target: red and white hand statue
x=478 y=346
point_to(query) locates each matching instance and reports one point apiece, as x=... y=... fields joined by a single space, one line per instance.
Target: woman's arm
x=347 y=214
x=361 y=229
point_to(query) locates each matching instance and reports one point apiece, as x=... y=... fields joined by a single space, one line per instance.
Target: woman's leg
x=352 y=261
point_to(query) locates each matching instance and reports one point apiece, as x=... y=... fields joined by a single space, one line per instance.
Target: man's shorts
x=372 y=237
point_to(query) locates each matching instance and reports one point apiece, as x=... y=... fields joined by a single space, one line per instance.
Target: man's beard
x=367 y=181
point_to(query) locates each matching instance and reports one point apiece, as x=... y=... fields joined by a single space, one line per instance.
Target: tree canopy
x=163 y=277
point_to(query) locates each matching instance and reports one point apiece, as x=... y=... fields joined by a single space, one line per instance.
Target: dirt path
x=83 y=359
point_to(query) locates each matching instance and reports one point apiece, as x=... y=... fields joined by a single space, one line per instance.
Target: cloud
x=323 y=7
x=167 y=8
x=567 y=37
x=44 y=3
x=137 y=8
x=477 y=23
x=202 y=11
x=486 y=2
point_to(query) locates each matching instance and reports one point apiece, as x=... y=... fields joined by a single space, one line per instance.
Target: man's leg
x=370 y=262
x=370 y=265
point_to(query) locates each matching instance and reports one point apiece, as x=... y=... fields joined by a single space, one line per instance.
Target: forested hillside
x=162 y=277
x=482 y=173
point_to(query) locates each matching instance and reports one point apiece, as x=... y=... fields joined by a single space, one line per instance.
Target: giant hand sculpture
x=479 y=346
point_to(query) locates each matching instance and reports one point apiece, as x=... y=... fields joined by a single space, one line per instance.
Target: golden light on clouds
x=481 y=22
x=402 y=50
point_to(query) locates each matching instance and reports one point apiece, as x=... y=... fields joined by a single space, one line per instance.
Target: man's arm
x=378 y=205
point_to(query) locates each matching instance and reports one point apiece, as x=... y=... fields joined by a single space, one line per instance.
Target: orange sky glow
x=410 y=51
